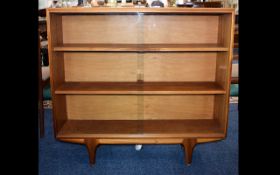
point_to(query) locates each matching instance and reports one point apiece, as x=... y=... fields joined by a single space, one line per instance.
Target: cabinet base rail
x=188 y=144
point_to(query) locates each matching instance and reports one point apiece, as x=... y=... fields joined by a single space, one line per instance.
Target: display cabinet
x=140 y=75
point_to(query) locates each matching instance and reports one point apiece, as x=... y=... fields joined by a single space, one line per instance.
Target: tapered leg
x=91 y=145
x=189 y=146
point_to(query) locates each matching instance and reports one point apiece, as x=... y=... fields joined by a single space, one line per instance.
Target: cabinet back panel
x=134 y=29
x=178 y=107
x=132 y=107
x=100 y=29
x=179 y=67
x=180 y=29
x=102 y=107
x=222 y=69
x=117 y=67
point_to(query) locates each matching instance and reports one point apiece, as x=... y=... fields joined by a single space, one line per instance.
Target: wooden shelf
x=166 y=10
x=141 y=88
x=140 y=47
x=140 y=128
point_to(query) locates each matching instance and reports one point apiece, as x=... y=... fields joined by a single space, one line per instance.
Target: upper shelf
x=142 y=10
x=141 y=47
x=140 y=88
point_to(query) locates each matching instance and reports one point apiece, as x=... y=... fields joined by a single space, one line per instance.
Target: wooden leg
x=91 y=145
x=189 y=146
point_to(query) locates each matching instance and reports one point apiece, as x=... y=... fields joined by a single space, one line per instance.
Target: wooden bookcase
x=140 y=75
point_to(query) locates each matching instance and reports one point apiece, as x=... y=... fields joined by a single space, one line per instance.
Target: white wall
x=44 y=4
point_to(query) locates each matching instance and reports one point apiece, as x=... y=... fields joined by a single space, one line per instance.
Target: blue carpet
x=216 y=158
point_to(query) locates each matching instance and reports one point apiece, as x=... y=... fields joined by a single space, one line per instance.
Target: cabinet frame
x=210 y=32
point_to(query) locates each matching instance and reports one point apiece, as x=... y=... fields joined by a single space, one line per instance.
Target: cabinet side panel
x=54 y=28
x=115 y=67
x=55 y=35
x=224 y=59
x=223 y=69
x=58 y=101
x=59 y=111
x=54 y=25
x=180 y=67
x=225 y=30
x=220 y=110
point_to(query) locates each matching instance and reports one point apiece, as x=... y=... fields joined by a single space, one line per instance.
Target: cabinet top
x=141 y=10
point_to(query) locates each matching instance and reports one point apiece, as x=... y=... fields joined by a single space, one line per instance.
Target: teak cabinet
x=140 y=75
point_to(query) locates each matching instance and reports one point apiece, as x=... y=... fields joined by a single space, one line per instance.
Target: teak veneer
x=140 y=75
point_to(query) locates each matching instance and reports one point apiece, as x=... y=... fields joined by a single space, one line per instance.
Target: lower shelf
x=140 y=129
